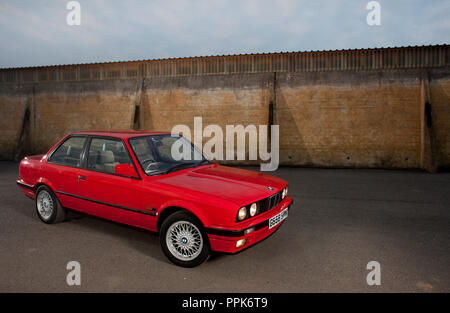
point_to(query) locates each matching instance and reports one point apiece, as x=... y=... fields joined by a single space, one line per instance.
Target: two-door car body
x=132 y=178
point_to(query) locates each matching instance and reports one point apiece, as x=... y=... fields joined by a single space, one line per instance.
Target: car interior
x=69 y=153
x=105 y=154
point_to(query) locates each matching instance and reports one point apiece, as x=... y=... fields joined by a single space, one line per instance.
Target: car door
x=63 y=168
x=104 y=193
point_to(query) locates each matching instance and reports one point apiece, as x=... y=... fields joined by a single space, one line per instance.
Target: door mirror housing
x=125 y=170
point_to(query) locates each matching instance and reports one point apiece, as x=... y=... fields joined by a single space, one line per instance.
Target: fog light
x=241 y=242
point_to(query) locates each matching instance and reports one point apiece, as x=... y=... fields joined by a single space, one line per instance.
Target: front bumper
x=224 y=239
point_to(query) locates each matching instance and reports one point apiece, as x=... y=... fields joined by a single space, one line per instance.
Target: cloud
x=36 y=33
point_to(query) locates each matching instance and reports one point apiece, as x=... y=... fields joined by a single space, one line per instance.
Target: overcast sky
x=36 y=32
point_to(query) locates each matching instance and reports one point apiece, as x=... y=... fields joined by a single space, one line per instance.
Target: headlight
x=242 y=213
x=253 y=209
x=284 y=192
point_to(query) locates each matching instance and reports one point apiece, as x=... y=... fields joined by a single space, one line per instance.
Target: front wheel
x=183 y=240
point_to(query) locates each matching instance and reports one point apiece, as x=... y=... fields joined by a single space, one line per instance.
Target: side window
x=69 y=153
x=105 y=154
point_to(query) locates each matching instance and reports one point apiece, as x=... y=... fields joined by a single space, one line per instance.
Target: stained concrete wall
x=219 y=99
x=440 y=115
x=373 y=118
x=58 y=109
x=362 y=119
x=80 y=106
x=13 y=101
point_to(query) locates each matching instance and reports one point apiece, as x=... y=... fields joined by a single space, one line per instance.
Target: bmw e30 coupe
x=131 y=177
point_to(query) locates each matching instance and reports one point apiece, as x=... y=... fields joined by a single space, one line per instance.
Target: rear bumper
x=27 y=189
x=224 y=240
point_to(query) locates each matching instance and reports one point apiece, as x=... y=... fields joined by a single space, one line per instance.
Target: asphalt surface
x=341 y=220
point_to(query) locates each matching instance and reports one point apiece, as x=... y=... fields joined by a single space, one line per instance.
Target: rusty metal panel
x=85 y=72
x=42 y=75
x=365 y=59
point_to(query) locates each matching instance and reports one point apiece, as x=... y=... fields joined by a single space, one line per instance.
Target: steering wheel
x=154 y=166
x=146 y=161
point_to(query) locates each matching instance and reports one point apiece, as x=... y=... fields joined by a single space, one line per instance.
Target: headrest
x=106 y=156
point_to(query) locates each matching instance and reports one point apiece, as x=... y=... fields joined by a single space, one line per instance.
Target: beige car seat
x=107 y=163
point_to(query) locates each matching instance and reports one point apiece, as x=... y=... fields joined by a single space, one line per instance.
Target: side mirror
x=125 y=170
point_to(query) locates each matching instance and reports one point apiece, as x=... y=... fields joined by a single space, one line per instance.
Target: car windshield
x=163 y=154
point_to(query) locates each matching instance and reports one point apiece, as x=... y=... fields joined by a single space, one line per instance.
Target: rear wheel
x=48 y=207
x=183 y=240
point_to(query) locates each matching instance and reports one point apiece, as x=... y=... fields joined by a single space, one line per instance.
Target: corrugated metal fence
x=365 y=59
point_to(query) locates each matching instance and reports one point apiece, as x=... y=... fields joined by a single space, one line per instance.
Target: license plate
x=277 y=219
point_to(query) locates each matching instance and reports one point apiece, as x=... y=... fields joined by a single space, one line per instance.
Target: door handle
x=81 y=177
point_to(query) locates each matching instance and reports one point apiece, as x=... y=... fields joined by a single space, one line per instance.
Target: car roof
x=124 y=134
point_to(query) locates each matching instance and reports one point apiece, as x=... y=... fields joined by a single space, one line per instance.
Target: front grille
x=269 y=203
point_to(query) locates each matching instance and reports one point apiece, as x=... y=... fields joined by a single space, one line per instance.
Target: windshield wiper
x=179 y=165
x=204 y=161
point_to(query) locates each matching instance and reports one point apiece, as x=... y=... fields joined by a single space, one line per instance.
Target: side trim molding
x=106 y=203
x=21 y=184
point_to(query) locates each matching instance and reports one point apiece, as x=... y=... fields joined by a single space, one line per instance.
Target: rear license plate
x=277 y=219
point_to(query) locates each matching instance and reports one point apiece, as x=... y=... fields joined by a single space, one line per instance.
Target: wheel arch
x=169 y=210
x=36 y=187
x=42 y=181
x=46 y=183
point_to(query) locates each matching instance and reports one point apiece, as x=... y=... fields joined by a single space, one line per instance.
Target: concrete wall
x=13 y=101
x=58 y=109
x=362 y=119
x=440 y=112
x=219 y=99
x=373 y=118
x=80 y=106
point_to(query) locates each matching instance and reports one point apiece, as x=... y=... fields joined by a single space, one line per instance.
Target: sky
x=36 y=33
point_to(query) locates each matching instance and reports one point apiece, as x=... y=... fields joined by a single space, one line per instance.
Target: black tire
x=183 y=216
x=58 y=213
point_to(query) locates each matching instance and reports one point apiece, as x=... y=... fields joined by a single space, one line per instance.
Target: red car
x=133 y=178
